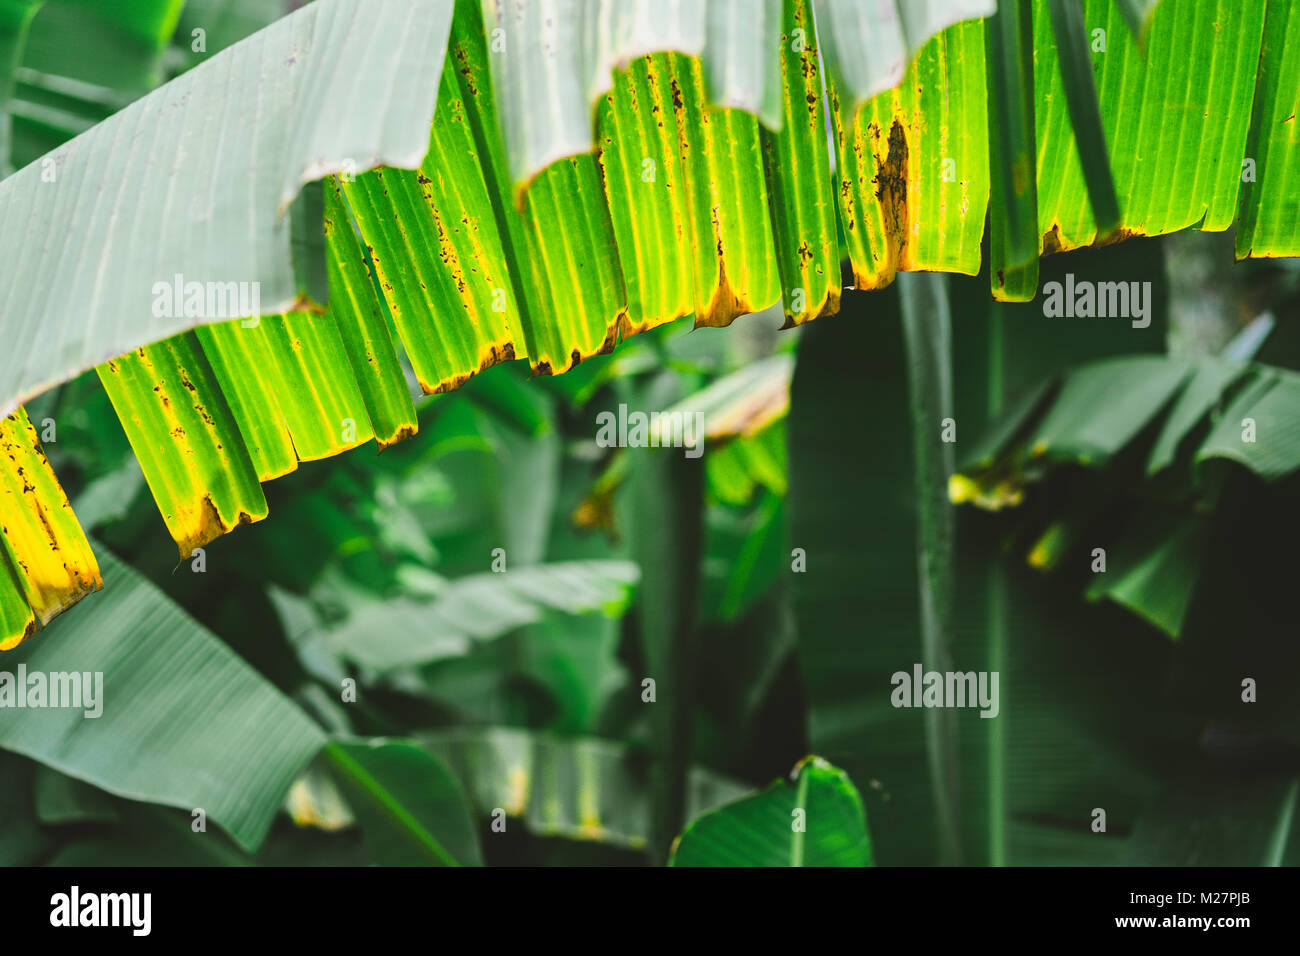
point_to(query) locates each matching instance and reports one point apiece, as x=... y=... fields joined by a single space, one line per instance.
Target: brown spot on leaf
x=891 y=192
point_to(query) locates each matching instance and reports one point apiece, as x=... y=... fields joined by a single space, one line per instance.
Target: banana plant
x=444 y=224
x=542 y=180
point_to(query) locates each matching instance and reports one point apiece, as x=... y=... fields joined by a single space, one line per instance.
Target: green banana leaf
x=161 y=734
x=813 y=819
x=411 y=809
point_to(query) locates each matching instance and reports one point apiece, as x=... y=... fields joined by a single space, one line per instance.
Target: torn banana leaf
x=639 y=161
x=186 y=439
x=551 y=60
x=801 y=194
x=364 y=329
x=560 y=240
x=913 y=165
x=1269 y=223
x=46 y=564
x=1175 y=117
x=710 y=194
x=1013 y=193
x=304 y=379
x=726 y=194
x=206 y=432
x=432 y=238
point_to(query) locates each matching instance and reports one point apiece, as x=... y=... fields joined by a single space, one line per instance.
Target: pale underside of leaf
x=868 y=43
x=153 y=739
x=312 y=98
